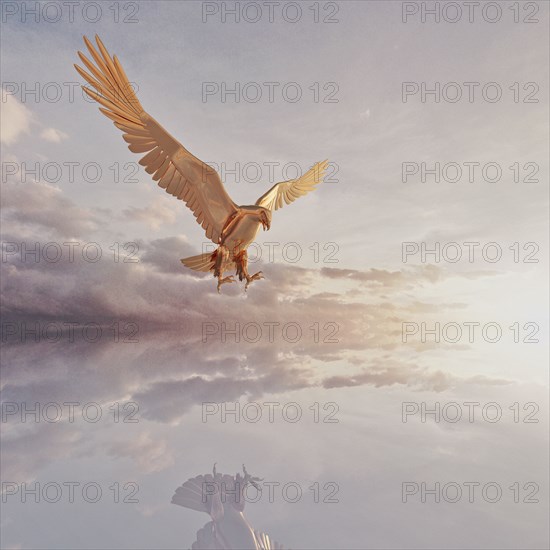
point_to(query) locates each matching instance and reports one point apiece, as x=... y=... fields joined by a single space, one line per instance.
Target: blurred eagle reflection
x=223 y=497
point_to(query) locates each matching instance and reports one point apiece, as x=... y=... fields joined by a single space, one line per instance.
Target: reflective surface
x=387 y=382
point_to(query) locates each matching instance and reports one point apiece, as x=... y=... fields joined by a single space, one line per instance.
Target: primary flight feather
x=181 y=174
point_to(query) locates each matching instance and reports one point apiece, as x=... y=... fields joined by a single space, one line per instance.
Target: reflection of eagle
x=223 y=497
x=186 y=177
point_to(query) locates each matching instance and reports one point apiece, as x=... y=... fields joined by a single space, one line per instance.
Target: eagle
x=181 y=174
x=223 y=498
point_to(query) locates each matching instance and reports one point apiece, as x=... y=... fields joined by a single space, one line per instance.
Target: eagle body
x=247 y=223
x=181 y=174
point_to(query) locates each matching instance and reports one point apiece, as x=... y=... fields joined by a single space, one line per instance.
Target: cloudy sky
x=336 y=326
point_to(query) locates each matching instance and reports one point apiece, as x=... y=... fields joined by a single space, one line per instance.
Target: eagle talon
x=255 y=277
x=229 y=279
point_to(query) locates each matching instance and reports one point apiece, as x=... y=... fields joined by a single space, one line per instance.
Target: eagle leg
x=221 y=281
x=255 y=277
x=221 y=258
x=241 y=259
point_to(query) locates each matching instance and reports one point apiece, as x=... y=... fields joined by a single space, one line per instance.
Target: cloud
x=151 y=455
x=409 y=375
x=358 y=331
x=44 y=207
x=16 y=119
x=164 y=254
x=158 y=291
x=160 y=212
x=53 y=135
x=57 y=442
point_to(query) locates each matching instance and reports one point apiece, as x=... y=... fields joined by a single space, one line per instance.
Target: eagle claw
x=255 y=277
x=229 y=279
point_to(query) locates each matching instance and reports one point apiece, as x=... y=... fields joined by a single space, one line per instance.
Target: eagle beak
x=266 y=225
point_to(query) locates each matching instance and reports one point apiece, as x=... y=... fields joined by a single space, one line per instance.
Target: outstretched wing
x=289 y=191
x=177 y=171
x=191 y=494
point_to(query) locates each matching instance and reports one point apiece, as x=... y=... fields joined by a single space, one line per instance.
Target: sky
x=342 y=327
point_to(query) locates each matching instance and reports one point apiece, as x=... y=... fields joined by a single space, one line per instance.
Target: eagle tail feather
x=203 y=262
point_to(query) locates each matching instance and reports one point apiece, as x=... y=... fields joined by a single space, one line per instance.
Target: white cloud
x=150 y=455
x=15 y=120
x=53 y=135
x=159 y=212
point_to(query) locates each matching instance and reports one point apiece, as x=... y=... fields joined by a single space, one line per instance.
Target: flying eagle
x=231 y=227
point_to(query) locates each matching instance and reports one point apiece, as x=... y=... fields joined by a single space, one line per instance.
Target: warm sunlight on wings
x=177 y=171
x=289 y=191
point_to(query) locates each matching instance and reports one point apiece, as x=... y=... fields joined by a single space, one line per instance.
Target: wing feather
x=167 y=178
x=286 y=192
x=141 y=147
x=132 y=129
x=177 y=171
x=155 y=164
x=115 y=118
x=150 y=157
